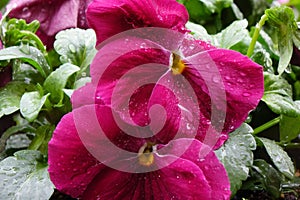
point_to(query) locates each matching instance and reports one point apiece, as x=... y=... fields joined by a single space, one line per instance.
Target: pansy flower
x=180 y=169
x=53 y=15
x=108 y=18
x=214 y=89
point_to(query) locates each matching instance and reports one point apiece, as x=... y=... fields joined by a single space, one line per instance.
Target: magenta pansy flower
x=214 y=89
x=108 y=18
x=174 y=170
x=53 y=15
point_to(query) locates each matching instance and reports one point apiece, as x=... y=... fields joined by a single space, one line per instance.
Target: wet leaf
x=31 y=104
x=279 y=157
x=79 y=49
x=282 y=19
x=25 y=176
x=10 y=97
x=57 y=80
x=233 y=34
x=278 y=96
x=42 y=136
x=269 y=177
x=237 y=157
x=28 y=54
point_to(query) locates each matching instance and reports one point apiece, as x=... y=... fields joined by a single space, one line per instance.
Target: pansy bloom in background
x=53 y=15
x=108 y=18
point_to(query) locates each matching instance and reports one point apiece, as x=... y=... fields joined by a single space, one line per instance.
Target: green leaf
x=199 y=32
x=76 y=46
x=217 y=5
x=279 y=157
x=278 y=96
x=26 y=73
x=18 y=32
x=42 y=137
x=233 y=34
x=27 y=54
x=269 y=177
x=10 y=96
x=282 y=19
x=31 y=104
x=57 y=80
x=25 y=177
x=13 y=130
x=289 y=128
x=237 y=157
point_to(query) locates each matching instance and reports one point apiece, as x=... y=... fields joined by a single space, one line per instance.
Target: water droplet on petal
x=246 y=94
x=216 y=79
x=72 y=48
x=143 y=45
x=26 y=12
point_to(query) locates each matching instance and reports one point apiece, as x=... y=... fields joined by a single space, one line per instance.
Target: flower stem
x=258 y=27
x=266 y=125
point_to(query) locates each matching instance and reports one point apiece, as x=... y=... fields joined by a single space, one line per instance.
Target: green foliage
x=278 y=96
x=57 y=80
x=279 y=157
x=10 y=97
x=25 y=176
x=237 y=157
x=79 y=49
x=27 y=54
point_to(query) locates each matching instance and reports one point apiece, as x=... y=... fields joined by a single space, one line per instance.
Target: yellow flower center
x=146 y=157
x=178 y=65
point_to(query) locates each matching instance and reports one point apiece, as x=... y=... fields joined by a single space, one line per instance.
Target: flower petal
x=53 y=15
x=230 y=84
x=71 y=166
x=108 y=18
x=167 y=183
x=203 y=156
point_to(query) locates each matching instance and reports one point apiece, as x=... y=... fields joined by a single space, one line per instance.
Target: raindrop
x=243 y=74
x=143 y=45
x=227 y=78
x=26 y=12
x=216 y=79
x=192 y=46
x=246 y=94
x=288 y=69
x=188 y=126
x=72 y=48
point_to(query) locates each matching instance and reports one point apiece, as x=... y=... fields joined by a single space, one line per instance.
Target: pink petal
x=53 y=15
x=71 y=166
x=180 y=180
x=203 y=156
x=108 y=18
x=230 y=81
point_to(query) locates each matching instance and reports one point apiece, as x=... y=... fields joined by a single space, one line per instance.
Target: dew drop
x=246 y=94
x=177 y=177
x=143 y=45
x=227 y=78
x=72 y=48
x=188 y=126
x=216 y=79
x=243 y=74
x=26 y=12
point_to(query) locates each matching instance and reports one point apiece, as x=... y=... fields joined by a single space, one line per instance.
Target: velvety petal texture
x=53 y=15
x=190 y=175
x=226 y=86
x=108 y=18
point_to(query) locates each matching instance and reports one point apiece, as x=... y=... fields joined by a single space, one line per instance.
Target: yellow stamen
x=178 y=65
x=146 y=157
